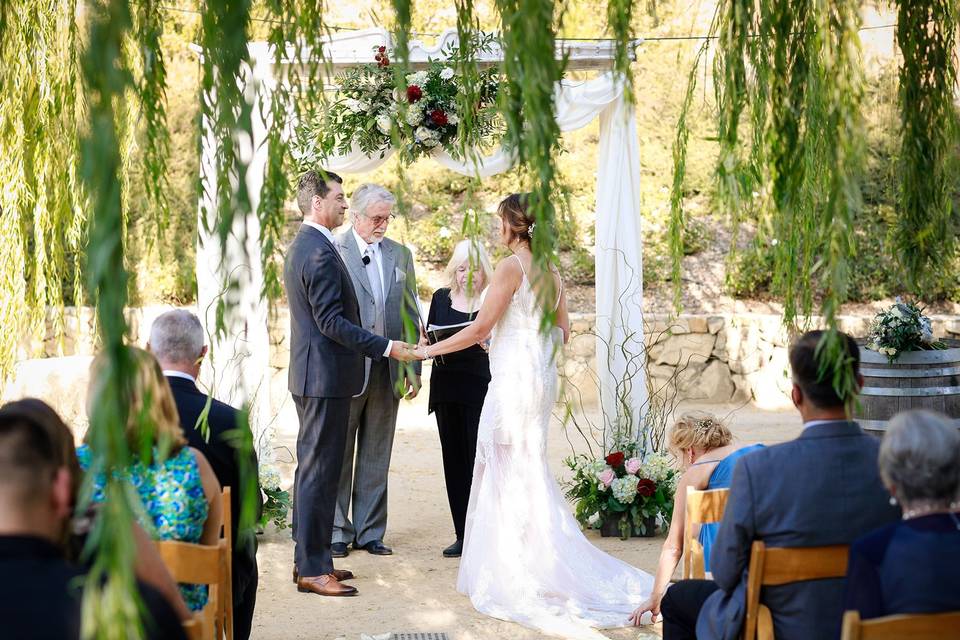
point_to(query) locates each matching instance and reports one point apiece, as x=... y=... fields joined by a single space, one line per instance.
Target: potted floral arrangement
x=622 y=494
x=901 y=328
x=278 y=502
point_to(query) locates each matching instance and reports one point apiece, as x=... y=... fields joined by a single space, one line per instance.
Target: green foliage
x=620 y=18
x=926 y=225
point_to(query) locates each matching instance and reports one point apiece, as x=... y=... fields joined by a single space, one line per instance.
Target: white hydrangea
x=593 y=469
x=447 y=73
x=625 y=488
x=384 y=123
x=427 y=137
x=452 y=118
x=656 y=467
x=352 y=104
x=414 y=115
x=594 y=519
x=269 y=477
x=419 y=78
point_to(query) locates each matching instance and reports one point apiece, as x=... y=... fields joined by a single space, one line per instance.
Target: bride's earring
x=893 y=501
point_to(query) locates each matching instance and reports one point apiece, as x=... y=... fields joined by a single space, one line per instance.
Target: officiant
x=458 y=381
x=383 y=277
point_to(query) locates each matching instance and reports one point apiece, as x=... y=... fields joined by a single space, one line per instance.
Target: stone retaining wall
x=715 y=358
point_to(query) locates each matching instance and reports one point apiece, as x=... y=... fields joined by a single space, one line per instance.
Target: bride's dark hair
x=514 y=211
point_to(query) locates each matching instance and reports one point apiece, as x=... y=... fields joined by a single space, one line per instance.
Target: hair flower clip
x=533 y=225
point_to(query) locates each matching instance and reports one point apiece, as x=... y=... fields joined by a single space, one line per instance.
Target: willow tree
x=788 y=91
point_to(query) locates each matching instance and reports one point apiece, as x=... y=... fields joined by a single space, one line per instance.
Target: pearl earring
x=893 y=501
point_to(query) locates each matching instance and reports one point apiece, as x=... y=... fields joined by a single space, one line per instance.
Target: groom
x=327 y=350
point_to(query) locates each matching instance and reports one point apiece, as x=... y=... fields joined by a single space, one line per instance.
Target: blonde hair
x=152 y=418
x=701 y=430
x=472 y=254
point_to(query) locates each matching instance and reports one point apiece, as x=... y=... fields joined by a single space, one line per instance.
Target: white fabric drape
x=619 y=272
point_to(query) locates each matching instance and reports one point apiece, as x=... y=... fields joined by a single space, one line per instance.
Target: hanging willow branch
x=620 y=17
x=926 y=34
x=110 y=606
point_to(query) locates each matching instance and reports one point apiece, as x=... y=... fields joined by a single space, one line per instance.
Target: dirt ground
x=413 y=591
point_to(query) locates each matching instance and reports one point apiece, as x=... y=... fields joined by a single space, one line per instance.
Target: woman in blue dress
x=178 y=491
x=705 y=448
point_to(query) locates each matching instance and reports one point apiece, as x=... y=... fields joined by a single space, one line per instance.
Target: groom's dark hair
x=817 y=383
x=314 y=183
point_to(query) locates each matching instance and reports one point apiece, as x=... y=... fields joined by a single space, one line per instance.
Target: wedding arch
x=241 y=353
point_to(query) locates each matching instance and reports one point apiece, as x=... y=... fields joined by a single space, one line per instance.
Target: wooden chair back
x=703 y=507
x=193 y=629
x=209 y=565
x=916 y=626
x=777 y=566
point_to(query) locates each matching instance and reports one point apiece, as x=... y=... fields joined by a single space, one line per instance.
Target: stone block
x=952 y=327
x=715 y=383
x=697 y=324
x=715 y=324
x=684 y=349
x=60 y=382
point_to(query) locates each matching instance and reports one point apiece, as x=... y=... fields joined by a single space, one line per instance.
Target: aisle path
x=413 y=590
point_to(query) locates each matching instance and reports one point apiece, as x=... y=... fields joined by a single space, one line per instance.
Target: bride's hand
x=651 y=605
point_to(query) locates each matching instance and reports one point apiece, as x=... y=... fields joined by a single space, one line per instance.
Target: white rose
x=594 y=519
x=352 y=104
x=447 y=73
x=363 y=106
x=452 y=118
x=384 y=124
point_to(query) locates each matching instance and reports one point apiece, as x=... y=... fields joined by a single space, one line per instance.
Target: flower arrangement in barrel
x=424 y=113
x=902 y=327
x=623 y=487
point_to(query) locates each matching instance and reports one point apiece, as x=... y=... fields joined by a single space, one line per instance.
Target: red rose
x=413 y=93
x=646 y=487
x=383 y=62
x=615 y=459
x=438 y=117
x=382 y=49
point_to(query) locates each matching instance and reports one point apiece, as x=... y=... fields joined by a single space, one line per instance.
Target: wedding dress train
x=525 y=558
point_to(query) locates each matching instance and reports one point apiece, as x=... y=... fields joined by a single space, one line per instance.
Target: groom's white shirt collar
x=170 y=373
x=322 y=229
x=815 y=423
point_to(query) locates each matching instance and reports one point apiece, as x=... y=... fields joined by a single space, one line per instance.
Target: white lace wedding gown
x=524 y=556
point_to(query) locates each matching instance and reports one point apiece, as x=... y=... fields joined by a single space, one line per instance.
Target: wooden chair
x=776 y=566
x=916 y=626
x=703 y=507
x=209 y=565
x=193 y=629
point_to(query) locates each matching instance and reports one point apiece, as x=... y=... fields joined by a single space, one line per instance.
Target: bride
x=524 y=556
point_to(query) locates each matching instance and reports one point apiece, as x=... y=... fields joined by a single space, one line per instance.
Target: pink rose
x=632 y=465
x=606 y=477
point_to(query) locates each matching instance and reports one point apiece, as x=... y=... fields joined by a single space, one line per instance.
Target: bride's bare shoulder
x=508 y=269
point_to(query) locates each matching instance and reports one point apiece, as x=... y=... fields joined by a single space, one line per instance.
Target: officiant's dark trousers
x=458 y=425
x=320 y=442
x=681 y=606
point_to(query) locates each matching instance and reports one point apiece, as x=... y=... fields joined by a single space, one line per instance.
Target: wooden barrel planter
x=916 y=380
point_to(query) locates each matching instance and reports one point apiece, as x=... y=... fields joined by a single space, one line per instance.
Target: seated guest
x=458 y=381
x=912 y=566
x=705 y=447
x=821 y=489
x=177 y=486
x=176 y=340
x=40 y=591
x=148 y=565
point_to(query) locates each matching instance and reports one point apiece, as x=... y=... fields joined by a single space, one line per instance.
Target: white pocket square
x=401 y=275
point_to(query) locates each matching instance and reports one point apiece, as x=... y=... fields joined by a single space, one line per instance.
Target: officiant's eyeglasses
x=379 y=220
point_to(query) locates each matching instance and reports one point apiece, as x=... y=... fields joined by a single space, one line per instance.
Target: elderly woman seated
x=912 y=566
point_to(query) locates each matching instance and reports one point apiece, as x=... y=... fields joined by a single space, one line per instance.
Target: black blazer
x=327 y=343
x=218 y=451
x=821 y=489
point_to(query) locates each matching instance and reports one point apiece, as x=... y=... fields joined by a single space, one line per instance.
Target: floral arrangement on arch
x=622 y=487
x=371 y=107
x=902 y=327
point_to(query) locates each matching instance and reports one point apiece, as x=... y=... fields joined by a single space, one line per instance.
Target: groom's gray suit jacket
x=400 y=290
x=821 y=489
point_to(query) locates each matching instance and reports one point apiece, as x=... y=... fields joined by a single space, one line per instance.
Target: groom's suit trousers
x=320 y=443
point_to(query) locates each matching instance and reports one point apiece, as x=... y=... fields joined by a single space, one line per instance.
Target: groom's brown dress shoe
x=325 y=585
x=339 y=574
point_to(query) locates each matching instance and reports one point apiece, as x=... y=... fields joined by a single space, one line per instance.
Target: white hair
x=176 y=337
x=366 y=195
x=920 y=456
x=472 y=254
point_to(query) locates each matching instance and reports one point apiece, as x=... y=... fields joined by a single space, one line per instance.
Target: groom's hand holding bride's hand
x=403 y=352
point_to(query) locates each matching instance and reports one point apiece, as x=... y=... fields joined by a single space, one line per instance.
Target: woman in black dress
x=458 y=381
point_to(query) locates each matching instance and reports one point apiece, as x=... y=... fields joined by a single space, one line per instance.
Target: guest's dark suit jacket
x=821 y=489
x=40 y=595
x=222 y=456
x=327 y=347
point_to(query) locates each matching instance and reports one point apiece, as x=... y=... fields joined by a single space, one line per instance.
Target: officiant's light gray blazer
x=400 y=290
x=821 y=489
